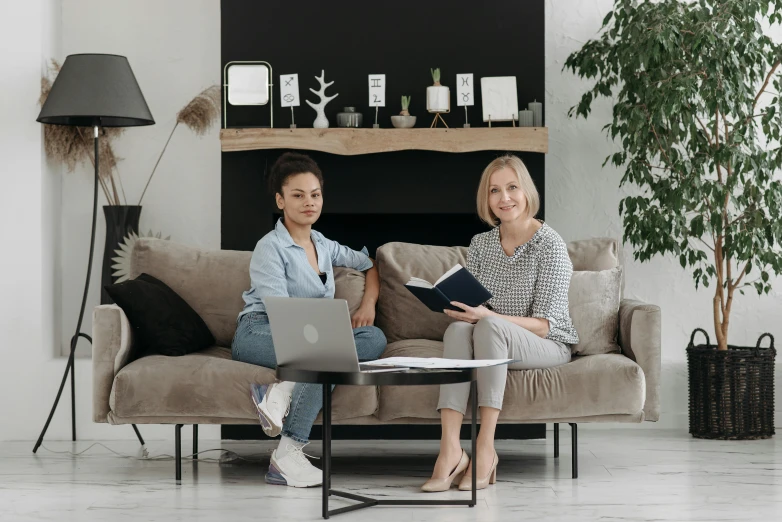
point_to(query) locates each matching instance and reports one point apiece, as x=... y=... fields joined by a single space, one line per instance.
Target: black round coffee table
x=410 y=377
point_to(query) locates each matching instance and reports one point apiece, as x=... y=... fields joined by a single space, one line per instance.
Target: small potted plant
x=403 y=120
x=438 y=98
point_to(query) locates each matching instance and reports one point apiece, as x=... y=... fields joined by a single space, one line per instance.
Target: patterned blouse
x=533 y=282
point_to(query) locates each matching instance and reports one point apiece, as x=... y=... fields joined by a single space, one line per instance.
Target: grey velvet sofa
x=208 y=387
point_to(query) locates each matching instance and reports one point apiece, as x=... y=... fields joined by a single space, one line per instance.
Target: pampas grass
x=74 y=145
x=198 y=116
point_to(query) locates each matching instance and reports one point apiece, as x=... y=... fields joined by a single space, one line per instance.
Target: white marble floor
x=643 y=475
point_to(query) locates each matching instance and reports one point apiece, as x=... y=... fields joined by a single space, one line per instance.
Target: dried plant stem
x=121 y=186
x=114 y=190
x=158 y=162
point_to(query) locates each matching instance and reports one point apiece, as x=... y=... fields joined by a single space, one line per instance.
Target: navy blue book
x=457 y=284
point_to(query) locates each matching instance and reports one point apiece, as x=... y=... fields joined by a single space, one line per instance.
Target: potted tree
x=698 y=112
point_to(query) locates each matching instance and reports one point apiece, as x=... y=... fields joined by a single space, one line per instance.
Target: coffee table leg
x=474 y=401
x=326 y=448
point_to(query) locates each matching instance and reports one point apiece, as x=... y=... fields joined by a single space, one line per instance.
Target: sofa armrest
x=111 y=343
x=640 y=338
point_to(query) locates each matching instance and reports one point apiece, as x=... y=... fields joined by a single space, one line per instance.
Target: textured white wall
x=582 y=200
x=174 y=50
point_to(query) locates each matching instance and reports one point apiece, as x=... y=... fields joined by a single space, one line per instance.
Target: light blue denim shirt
x=279 y=267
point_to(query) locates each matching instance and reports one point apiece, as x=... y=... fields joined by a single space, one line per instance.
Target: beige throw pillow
x=594 y=308
x=349 y=285
x=399 y=313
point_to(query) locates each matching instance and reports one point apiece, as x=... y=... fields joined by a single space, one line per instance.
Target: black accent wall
x=413 y=196
x=398 y=194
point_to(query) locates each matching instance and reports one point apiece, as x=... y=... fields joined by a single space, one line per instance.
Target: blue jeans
x=253 y=344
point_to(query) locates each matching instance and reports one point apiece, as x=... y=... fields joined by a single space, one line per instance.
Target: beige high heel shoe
x=435 y=485
x=466 y=483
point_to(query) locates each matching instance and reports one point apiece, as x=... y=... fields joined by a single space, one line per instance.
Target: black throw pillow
x=163 y=323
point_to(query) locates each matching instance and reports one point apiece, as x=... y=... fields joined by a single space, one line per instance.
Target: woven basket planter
x=731 y=391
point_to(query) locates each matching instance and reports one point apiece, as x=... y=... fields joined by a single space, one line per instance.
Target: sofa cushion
x=399 y=313
x=211 y=281
x=593 y=299
x=349 y=285
x=163 y=323
x=209 y=384
x=587 y=386
x=600 y=253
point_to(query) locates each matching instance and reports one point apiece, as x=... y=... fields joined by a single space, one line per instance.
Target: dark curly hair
x=290 y=164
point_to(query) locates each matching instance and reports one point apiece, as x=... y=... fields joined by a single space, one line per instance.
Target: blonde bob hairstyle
x=525 y=184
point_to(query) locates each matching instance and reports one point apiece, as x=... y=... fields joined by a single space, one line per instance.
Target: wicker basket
x=731 y=391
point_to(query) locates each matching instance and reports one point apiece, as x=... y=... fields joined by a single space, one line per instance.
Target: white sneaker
x=272 y=404
x=293 y=469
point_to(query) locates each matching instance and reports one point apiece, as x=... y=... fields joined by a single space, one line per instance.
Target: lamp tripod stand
x=71 y=366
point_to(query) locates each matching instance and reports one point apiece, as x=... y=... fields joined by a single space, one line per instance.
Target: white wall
x=582 y=200
x=174 y=48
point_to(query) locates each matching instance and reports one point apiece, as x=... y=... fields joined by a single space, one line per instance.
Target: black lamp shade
x=96 y=89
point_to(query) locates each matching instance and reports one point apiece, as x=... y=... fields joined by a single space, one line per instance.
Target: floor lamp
x=92 y=90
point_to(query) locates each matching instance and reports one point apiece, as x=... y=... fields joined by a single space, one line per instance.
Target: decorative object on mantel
x=349 y=118
x=121 y=264
x=702 y=147
x=89 y=87
x=526 y=118
x=403 y=120
x=289 y=93
x=247 y=83
x=464 y=94
x=537 y=113
x=499 y=99
x=321 y=122
x=377 y=94
x=438 y=99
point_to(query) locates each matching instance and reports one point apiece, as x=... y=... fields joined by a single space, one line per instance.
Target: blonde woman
x=524 y=263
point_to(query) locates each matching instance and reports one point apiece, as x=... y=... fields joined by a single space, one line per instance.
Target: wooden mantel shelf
x=349 y=142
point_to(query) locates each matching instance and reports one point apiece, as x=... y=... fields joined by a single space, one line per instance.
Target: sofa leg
x=556 y=440
x=178 y=453
x=574 y=449
x=195 y=441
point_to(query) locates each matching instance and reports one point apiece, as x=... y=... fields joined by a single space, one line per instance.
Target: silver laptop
x=313 y=334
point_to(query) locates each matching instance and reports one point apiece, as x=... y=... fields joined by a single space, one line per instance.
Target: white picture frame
x=465 y=92
x=248 y=84
x=377 y=90
x=289 y=90
x=499 y=98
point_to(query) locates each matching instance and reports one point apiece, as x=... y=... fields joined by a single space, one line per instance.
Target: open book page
x=423 y=283
x=436 y=362
x=448 y=274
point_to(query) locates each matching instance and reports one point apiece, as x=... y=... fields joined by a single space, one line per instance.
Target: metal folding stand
x=365 y=502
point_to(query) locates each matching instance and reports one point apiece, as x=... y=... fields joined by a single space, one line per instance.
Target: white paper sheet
x=436 y=362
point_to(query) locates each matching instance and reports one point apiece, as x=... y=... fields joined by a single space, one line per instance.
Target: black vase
x=120 y=221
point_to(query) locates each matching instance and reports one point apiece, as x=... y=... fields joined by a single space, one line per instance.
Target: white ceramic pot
x=438 y=98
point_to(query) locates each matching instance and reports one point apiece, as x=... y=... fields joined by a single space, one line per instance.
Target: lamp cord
x=71 y=363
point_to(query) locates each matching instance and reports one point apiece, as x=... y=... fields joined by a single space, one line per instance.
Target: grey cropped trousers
x=495 y=338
